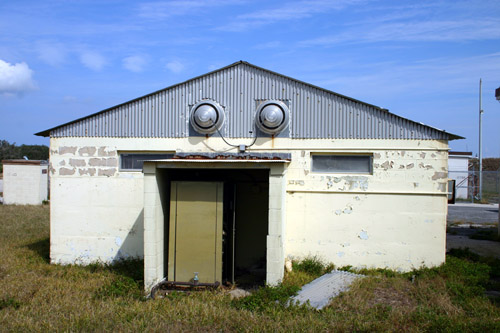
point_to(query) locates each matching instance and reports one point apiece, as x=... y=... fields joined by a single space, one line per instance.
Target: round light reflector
x=206 y=117
x=272 y=117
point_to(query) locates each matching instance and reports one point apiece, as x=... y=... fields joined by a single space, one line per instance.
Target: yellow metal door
x=195 y=238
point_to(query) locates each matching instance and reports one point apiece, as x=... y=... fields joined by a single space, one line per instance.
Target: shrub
x=313 y=265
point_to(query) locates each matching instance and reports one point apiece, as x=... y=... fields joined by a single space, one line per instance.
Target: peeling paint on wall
x=439 y=175
x=354 y=182
x=107 y=172
x=442 y=187
x=104 y=153
x=387 y=165
x=103 y=162
x=76 y=162
x=67 y=150
x=425 y=166
x=363 y=235
x=347 y=210
x=67 y=172
x=87 y=151
x=89 y=171
x=51 y=169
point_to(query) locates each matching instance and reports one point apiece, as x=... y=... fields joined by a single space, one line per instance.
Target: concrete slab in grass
x=320 y=291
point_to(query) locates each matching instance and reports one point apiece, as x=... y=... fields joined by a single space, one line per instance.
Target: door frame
x=154 y=219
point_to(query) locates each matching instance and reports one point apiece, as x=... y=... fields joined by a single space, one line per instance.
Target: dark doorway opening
x=245 y=220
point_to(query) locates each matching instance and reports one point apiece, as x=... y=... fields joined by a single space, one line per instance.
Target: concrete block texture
x=25 y=184
x=393 y=216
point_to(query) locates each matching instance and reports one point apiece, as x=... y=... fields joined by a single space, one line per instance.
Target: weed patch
x=266 y=298
x=313 y=266
x=120 y=286
x=9 y=302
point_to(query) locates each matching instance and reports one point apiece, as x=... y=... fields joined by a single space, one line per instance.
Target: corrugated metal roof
x=314 y=112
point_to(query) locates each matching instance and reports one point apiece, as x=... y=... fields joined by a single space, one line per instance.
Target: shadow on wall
x=132 y=247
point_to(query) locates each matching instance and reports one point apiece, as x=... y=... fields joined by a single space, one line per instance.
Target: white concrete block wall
x=24 y=184
x=393 y=218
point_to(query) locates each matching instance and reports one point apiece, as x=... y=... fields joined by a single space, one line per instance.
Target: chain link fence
x=467 y=186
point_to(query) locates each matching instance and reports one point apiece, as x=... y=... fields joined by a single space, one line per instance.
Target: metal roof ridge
x=46 y=133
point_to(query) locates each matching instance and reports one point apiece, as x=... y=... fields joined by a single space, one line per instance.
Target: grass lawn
x=37 y=296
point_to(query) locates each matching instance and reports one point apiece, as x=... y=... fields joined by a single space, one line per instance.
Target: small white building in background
x=25 y=182
x=458 y=169
x=230 y=173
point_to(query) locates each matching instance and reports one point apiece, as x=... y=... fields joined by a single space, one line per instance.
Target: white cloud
x=93 y=60
x=175 y=66
x=135 y=63
x=289 y=11
x=53 y=54
x=444 y=76
x=15 y=78
x=426 y=31
x=164 y=9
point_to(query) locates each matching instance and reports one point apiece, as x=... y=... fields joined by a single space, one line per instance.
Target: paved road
x=473 y=213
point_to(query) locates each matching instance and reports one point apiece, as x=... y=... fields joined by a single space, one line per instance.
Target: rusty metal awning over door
x=227 y=158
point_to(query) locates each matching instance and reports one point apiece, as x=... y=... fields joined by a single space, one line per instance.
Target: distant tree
x=9 y=151
x=489 y=164
x=34 y=152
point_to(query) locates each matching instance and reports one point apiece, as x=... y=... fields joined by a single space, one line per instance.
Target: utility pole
x=480 y=194
x=497 y=96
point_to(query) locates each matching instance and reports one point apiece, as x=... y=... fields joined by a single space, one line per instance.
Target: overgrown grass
x=38 y=296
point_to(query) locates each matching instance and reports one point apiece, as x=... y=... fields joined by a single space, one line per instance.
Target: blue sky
x=61 y=60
